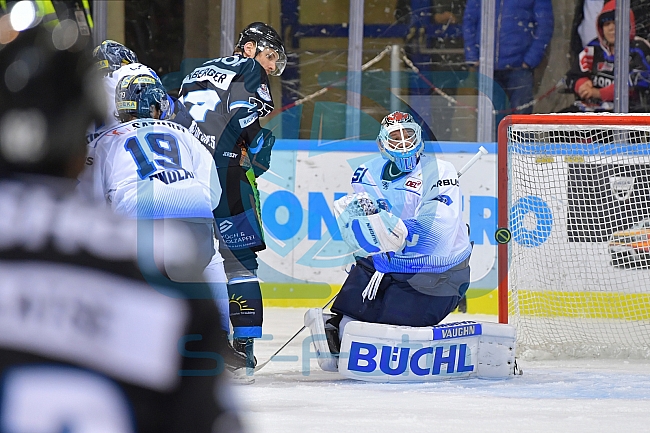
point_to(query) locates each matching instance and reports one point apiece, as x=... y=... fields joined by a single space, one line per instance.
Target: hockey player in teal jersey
x=226 y=97
x=404 y=224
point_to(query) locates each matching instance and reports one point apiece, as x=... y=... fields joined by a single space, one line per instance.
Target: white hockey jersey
x=151 y=169
x=428 y=200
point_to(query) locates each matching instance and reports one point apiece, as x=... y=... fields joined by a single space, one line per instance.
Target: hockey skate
x=232 y=358
x=244 y=374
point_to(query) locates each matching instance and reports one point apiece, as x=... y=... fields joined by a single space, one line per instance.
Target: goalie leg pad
x=386 y=353
x=315 y=321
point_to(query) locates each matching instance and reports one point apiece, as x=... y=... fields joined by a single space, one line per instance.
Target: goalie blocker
x=376 y=352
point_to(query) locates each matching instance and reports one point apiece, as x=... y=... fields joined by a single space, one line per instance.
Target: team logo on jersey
x=264 y=92
x=444 y=199
x=384 y=204
x=413 y=184
x=225 y=225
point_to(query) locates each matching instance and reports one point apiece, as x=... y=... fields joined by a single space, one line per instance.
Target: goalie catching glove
x=366 y=228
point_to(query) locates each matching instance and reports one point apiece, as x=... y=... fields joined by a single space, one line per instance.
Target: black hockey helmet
x=49 y=97
x=111 y=56
x=264 y=36
x=135 y=95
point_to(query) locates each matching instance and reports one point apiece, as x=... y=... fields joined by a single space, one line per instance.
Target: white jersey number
x=47 y=399
x=204 y=101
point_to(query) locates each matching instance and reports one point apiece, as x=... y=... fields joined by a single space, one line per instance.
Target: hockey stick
x=482 y=151
x=259 y=367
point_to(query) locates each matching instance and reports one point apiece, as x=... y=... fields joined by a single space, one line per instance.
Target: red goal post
x=568 y=185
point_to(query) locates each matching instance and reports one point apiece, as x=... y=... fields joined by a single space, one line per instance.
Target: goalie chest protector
x=386 y=353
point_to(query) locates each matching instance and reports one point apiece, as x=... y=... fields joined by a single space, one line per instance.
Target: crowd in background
x=523 y=31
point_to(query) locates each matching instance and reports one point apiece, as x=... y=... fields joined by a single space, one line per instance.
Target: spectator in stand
x=523 y=31
x=583 y=30
x=591 y=76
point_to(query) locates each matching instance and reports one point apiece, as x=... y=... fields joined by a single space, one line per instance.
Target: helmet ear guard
x=400 y=140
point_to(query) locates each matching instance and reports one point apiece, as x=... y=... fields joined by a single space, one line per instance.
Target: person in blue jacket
x=523 y=29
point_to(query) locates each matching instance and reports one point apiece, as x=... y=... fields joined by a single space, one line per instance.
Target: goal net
x=574 y=191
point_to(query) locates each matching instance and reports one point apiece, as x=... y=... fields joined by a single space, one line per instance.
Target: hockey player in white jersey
x=148 y=168
x=405 y=226
x=153 y=169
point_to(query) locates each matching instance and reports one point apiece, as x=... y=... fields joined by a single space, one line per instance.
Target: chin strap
x=373 y=285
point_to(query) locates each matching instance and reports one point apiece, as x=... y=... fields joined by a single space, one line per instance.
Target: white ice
x=551 y=396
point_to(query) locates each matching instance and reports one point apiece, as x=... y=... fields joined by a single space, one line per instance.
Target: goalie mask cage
x=574 y=190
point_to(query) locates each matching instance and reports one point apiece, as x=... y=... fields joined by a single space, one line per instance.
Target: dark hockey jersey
x=596 y=63
x=87 y=340
x=226 y=97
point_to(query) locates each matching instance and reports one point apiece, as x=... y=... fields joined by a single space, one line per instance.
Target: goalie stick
x=260 y=366
x=481 y=151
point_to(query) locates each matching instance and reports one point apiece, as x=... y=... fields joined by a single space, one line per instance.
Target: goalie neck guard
x=400 y=140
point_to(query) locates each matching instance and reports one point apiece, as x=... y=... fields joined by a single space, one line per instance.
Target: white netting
x=579 y=259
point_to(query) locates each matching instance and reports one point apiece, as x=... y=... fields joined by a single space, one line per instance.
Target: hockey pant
x=240 y=237
x=402 y=299
x=215 y=276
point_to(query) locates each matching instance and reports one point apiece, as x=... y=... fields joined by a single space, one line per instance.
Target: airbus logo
x=224 y=226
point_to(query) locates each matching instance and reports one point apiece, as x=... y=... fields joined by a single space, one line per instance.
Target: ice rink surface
x=551 y=396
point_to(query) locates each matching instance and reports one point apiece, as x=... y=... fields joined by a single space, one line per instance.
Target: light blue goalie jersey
x=151 y=169
x=428 y=200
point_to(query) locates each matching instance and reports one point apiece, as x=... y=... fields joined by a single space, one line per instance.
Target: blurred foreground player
x=86 y=344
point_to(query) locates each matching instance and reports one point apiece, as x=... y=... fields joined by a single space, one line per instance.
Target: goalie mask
x=141 y=96
x=265 y=38
x=400 y=140
x=111 y=56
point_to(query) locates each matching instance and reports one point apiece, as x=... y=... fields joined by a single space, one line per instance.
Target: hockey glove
x=359 y=204
x=378 y=233
x=259 y=152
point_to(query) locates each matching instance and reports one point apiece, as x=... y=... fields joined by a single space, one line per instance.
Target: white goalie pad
x=315 y=321
x=386 y=353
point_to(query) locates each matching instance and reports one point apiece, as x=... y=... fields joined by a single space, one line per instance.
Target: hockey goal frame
x=503 y=220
